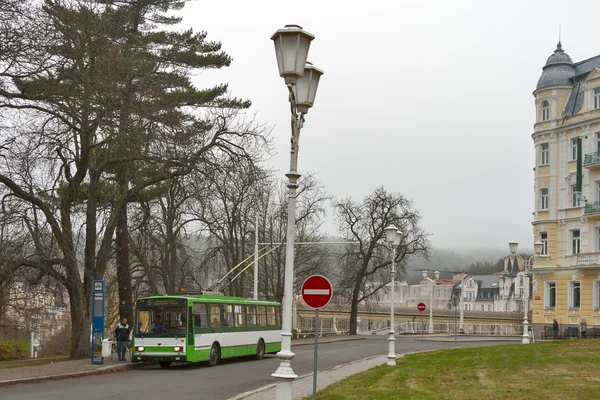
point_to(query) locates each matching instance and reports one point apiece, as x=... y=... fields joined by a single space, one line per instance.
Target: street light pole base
x=285 y=376
x=525 y=333
x=391 y=349
x=285 y=371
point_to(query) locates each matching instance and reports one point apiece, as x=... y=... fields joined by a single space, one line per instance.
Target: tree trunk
x=354 y=312
x=123 y=268
x=80 y=321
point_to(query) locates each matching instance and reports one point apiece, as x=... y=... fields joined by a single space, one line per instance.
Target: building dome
x=558 y=71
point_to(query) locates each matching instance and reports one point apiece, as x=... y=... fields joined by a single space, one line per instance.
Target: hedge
x=13 y=349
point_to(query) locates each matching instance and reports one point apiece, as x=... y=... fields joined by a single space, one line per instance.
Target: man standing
x=122 y=336
x=555 y=328
x=583 y=324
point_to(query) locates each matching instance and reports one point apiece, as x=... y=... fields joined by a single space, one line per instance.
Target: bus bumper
x=148 y=357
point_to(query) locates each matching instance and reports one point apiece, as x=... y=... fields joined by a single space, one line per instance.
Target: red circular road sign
x=317 y=291
x=421 y=307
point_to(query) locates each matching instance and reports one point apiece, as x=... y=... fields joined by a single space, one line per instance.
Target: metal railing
x=339 y=326
x=592 y=158
x=592 y=208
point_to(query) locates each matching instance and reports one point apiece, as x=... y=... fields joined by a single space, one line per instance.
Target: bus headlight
x=177 y=349
x=140 y=348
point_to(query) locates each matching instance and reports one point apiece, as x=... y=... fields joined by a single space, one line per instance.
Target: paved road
x=203 y=382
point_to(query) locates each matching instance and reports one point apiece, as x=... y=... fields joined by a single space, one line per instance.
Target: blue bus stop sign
x=97 y=317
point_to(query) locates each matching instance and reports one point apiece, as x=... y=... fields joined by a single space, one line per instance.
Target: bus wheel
x=215 y=355
x=164 y=364
x=260 y=350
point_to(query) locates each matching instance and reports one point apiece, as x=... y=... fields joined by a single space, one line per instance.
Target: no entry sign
x=421 y=307
x=317 y=291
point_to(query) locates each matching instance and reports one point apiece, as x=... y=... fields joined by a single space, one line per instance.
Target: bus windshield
x=161 y=321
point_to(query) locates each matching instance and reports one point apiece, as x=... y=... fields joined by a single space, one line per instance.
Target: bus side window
x=251 y=315
x=239 y=316
x=262 y=315
x=271 y=316
x=227 y=315
x=215 y=316
x=200 y=316
x=278 y=316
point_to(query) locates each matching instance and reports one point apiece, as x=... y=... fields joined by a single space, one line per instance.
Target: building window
x=574 y=294
x=544 y=240
x=545 y=110
x=489 y=308
x=550 y=295
x=575 y=197
x=597 y=98
x=544 y=154
x=598 y=142
x=482 y=307
x=489 y=295
x=597 y=294
x=573 y=149
x=544 y=199
x=575 y=241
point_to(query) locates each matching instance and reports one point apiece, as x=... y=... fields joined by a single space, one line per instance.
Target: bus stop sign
x=317 y=291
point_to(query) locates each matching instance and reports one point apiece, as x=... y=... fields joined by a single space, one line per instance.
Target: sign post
x=316 y=293
x=97 y=317
x=453 y=303
x=421 y=307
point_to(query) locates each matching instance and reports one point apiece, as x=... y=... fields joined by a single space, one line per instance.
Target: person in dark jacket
x=555 y=328
x=122 y=336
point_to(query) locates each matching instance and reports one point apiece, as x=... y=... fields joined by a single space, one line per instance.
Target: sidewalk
x=82 y=367
x=59 y=370
x=302 y=387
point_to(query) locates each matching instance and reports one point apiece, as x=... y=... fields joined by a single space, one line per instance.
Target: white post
x=462 y=304
x=256 y=259
x=285 y=374
x=392 y=338
x=431 y=307
x=31 y=347
x=525 y=309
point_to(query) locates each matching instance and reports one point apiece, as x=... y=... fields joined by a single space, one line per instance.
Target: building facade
x=566 y=276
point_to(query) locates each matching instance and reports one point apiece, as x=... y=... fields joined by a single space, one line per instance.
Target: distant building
x=567 y=274
x=34 y=308
x=480 y=292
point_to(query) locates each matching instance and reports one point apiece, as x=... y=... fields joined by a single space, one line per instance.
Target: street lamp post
x=462 y=303
x=302 y=79
x=513 y=246
x=393 y=237
x=431 y=283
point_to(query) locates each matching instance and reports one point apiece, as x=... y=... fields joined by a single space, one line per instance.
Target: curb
x=329 y=341
x=37 y=379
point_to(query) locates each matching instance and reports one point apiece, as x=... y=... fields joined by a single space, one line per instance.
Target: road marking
x=316 y=291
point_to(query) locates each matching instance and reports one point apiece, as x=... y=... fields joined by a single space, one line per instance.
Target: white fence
x=337 y=326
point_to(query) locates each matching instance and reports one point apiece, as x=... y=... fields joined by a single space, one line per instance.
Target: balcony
x=592 y=210
x=588 y=258
x=592 y=160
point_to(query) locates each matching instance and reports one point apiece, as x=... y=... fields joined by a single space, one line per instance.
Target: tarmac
x=84 y=367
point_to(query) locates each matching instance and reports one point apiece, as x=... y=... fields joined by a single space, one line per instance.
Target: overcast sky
x=432 y=98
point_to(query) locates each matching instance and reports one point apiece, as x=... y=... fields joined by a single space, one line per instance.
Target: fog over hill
x=448 y=261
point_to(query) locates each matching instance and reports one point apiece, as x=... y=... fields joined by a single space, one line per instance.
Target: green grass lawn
x=566 y=369
x=32 y=363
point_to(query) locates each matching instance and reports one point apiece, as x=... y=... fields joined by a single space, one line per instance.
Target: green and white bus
x=195 y=328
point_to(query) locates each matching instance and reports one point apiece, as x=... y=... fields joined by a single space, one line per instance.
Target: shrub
x=58 y=344
x=13 y=349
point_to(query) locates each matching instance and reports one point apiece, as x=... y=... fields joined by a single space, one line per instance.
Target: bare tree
x=365 y=266
x=76 y=113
